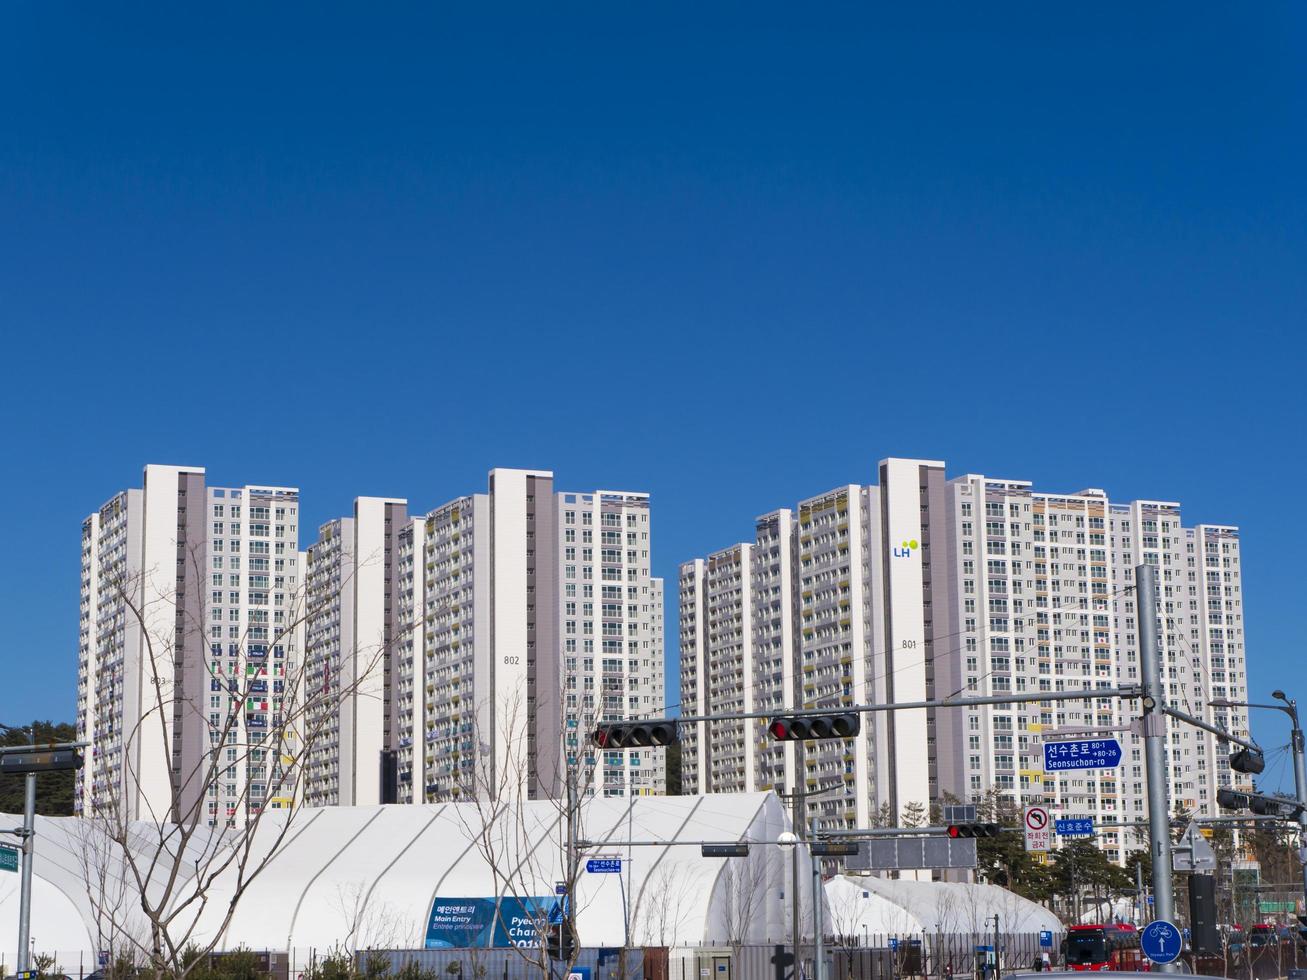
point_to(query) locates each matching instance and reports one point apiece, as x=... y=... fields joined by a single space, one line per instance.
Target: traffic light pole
x=1300 y=785
x=28 y=834
x=25 y=901
x=1154 y=725
x=818 y=941
x=849 y=709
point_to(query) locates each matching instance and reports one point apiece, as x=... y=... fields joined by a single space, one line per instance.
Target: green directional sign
x=1272 y=907
x=8 y=859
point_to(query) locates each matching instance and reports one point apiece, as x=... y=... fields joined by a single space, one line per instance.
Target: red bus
x=1110 y=947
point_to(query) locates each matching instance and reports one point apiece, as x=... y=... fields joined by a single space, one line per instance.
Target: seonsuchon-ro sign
x=1095 y=753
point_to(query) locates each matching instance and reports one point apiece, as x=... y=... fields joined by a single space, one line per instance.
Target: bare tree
x=527 y=847
x=743 y=887
x=663 y=906
x=366 y=921
x=180 y=865
x=120 y=931
x=845 y=912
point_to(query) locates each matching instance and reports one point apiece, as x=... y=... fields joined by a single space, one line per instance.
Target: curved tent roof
x=856 y=908
x=953 y=907
x=368 y=876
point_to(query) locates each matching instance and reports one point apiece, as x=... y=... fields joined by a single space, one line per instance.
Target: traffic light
x=1269 y=806
x=800 y=728
x=636 y=734
x=835 y=848
x=1249 y=761
x=39 y=760
x=724 y=850
x=1263 y=806
x=1228 y=799
x=962 y=830
x=560 y=943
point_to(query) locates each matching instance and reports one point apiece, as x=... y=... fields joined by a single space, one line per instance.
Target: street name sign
x=1075 y=827
x=8 y=859
x=604 y=866
x=1089 y=753
x=1035 y=822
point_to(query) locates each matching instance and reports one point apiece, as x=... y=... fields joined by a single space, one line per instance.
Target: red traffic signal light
x=799 y=728
x=965 y=830
x=636 y=734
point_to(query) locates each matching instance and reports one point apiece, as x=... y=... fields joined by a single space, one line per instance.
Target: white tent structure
x=370 y=876
x=855 y=909
x=931 y=907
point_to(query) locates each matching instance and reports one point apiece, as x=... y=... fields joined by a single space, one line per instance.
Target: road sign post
x=1192 y=853
x=1039 y=835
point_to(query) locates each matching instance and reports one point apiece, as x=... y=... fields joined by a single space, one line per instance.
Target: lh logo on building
x=906 y=549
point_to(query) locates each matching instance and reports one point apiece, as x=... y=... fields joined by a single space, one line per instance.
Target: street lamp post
x=1290 y=708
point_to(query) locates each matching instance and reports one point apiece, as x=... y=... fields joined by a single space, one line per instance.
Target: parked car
x=1262 y=935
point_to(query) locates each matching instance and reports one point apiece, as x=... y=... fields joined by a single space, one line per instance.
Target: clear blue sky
x=728 y=255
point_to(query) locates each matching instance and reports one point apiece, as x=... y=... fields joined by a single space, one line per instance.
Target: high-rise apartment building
x=612 y=659
x=490 y=642
x=922 y=587
x=1052 y=607
x=408 y=673
x=353 y=634
x=190 y=620
x=399 y=659
x=540 y=617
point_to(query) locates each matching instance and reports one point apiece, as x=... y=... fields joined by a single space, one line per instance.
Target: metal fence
x=1243 y=962
x=510 y=964
x=869 y=956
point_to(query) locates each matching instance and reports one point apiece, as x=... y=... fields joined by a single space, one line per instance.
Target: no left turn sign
x=1039 y=836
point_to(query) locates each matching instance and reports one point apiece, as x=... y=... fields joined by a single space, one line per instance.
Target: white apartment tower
x=469 y=652
x=922 y=587
x=408 y=674
x=1052 y=607
x=696 y=682
x=188 y=610
x=489 y=671
x=540 y=618
x=352 y=632
x=611 y=614
x=256 y=607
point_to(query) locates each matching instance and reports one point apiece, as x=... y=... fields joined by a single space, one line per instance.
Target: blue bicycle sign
x=1161 y=941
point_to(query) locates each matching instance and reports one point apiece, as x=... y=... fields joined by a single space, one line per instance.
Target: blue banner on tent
x=460 y=923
